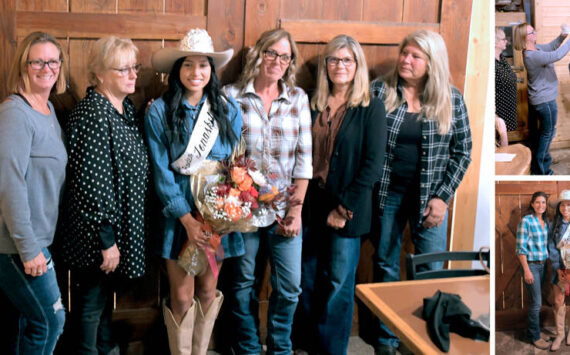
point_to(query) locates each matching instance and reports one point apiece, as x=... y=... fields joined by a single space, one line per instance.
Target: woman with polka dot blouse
x=103 y=237
x=505 y=90
x=193 y=115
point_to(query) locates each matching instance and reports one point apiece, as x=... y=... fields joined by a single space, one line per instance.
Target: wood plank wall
x=512 y=199
x=378 y=25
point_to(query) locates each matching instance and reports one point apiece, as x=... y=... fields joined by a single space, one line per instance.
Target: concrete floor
x=560 y=161
x=515 y=342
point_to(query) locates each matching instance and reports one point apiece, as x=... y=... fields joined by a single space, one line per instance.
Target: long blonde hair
x=436 y=95
x=18 y=76
x=359 y=93
x=255 y=56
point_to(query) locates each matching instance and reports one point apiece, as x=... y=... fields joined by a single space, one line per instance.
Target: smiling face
x=118 y=81
x=530 y=34
x=42 y=80
x=195 y=74
x=412 y=64
x=341 y=67
x=539 y=205
x=565 y=210
x=273 y=70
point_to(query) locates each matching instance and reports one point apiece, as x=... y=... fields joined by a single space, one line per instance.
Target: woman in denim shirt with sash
x=169 y=125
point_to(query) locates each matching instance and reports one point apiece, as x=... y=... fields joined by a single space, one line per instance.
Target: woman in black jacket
x=349 y=140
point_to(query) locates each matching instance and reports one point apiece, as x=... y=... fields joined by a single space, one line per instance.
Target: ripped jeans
x=39 y=302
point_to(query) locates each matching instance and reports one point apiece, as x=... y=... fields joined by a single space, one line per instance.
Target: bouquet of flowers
x=232 y=197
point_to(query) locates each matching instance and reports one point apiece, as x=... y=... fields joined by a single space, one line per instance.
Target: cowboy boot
x=204 y=324
x=179 y=335
x=559 y=316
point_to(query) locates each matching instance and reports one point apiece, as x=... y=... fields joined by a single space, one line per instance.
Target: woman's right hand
x=194 y=230
x=528 y=278
x=37 y=266
x=111 y=258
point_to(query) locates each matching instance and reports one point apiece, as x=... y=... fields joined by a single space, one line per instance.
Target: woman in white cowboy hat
x=171 y=121
x=559 y=255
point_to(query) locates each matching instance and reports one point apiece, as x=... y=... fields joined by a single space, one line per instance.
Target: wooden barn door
x=512 y=199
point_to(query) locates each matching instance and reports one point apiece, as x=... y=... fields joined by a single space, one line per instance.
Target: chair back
x=413 y=261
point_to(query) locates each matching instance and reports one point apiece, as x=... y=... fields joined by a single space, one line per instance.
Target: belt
x=536 y=262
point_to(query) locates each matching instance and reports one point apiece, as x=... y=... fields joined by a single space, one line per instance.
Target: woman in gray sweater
x=32 y=172
x=539 y=61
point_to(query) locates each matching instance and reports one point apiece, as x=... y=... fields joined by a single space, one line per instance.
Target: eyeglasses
x=272 y=55
x=334 y=61
x=125 y=71
x=531 y=33
x=39 y=64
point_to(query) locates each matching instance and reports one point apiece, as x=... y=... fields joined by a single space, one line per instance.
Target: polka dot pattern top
x=107 y=184
x=506 y=93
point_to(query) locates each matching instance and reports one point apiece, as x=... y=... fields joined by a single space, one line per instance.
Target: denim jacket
x=554 y=238
x=172 y=188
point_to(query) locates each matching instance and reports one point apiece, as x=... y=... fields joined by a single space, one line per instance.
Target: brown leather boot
x=541 y=344
x=559 y=316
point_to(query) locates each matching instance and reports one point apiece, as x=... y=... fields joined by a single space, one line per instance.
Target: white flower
x=257 y=177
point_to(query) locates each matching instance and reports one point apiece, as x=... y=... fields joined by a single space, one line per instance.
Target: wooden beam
x=526 y=188
x=7 y=42
x=322 y=31
x=89 y=25
x=456 y=18
x=478 y=99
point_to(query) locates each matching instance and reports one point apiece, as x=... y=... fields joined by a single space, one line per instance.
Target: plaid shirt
x=532 y=239
x=280 y=142
x=444 y=158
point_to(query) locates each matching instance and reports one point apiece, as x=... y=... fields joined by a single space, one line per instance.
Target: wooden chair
x=412 y=262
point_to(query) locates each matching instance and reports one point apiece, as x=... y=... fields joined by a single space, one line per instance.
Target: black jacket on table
x=355 y=165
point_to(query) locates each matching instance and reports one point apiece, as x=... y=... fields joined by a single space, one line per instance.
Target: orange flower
x=245 y=185
x=234 y=192
x=219 y=203
x=269 y=196
x=238 y=174
x=233 y=210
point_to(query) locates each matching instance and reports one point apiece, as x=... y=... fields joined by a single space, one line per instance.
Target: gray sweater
x=542 y=80
x=32 y=173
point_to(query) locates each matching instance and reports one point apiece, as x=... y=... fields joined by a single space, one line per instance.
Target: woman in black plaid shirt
x=428 y=151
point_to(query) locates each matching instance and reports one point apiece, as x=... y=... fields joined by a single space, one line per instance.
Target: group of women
x=538 y=240
x=359 y=154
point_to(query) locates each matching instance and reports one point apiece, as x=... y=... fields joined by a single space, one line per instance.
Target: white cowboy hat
x=564 y=195
x=196 y=42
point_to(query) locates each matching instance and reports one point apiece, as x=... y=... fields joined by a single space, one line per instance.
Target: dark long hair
x=557 y=222
x=174 y=98
x=530 y=209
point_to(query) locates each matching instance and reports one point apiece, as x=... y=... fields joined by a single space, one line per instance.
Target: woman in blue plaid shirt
x=428 y=151
x=531 y=248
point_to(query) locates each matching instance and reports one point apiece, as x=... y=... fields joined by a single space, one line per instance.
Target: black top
x=107 y=186
x=506 y=93
x=406 y=161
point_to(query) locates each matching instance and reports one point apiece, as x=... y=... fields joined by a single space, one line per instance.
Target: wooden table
x=520 y=165
x=399 y=305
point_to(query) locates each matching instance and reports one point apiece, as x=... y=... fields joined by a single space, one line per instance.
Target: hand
x=565 y=29
x=194 y=230
x=291 y=224
x=528 y=278
x=148 y=104
x=335 y=220
x=37 y=266
x=111 y=258
x=434 y=213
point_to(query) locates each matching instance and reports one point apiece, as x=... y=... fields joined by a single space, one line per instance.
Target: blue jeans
x=535 y=299
x=400 y=208
x=285 y=260
x=324 y=318
x=546 y=114
x=39 y=302
x=91 y=311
